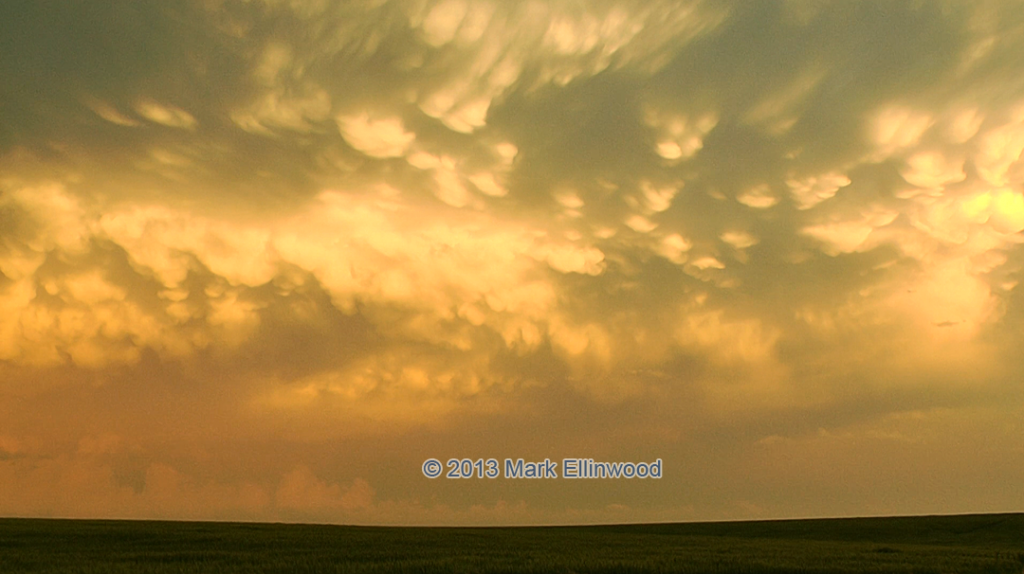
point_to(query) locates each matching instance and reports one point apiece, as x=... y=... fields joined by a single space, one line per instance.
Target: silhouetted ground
x=991 y=544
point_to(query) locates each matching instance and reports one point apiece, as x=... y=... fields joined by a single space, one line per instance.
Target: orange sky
x=259 y=260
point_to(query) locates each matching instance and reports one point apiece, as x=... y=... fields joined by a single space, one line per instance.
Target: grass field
x=919 y=545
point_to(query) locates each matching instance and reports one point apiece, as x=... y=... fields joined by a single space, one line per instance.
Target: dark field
x=978 y=543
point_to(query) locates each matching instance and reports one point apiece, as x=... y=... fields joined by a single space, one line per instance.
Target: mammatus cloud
x=259 y=261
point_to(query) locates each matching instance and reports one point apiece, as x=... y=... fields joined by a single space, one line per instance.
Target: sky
x=261 y=259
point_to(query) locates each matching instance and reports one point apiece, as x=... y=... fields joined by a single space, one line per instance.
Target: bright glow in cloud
x=1000 y=149
x=851 y=235
x=758 y=197
x=379 y=138
x=811 y=191
x=896 y=128
x=169 y=116
x=680 y=137
x=932 y=170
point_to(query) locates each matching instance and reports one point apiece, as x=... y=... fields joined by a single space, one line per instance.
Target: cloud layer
x=259 y=260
